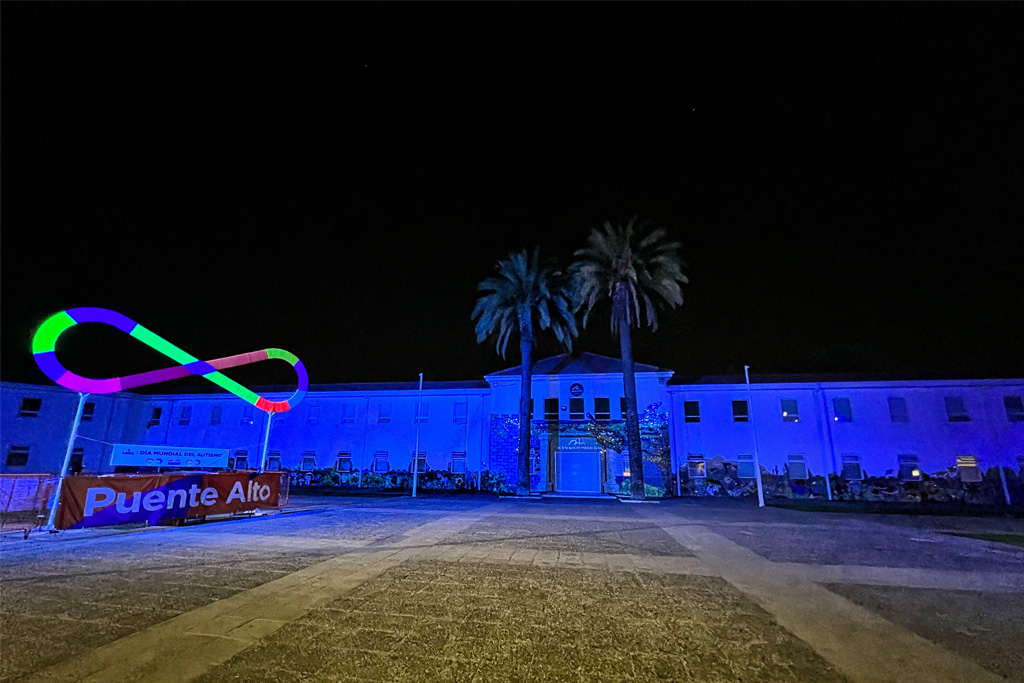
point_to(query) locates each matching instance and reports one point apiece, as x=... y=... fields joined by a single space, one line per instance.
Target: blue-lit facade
x=802 y=425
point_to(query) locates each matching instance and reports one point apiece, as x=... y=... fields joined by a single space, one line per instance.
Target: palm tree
x=524 y=294
x=634 y=271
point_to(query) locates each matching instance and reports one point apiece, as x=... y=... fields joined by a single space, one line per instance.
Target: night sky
x=335 y=179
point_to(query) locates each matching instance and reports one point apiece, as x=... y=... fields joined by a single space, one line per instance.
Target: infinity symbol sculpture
x=45 y=340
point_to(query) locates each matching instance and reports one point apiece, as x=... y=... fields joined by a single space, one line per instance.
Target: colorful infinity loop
x=45 y=340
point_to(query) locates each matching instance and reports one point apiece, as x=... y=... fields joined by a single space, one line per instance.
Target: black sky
x=846 y=180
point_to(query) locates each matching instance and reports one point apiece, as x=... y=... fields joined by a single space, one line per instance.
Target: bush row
x=940 y=487
x=401 y=480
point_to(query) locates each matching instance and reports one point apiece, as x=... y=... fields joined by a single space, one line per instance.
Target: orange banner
x=127 y=498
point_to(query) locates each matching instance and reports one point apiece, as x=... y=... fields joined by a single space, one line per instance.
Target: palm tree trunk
x=636 y=456
x=526 y=370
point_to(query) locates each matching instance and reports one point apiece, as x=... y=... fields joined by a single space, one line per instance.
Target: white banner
x=136 y=455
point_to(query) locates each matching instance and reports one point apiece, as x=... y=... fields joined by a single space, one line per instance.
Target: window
x=967 y=468
x=348 y=414
x=740 y=411
x=154 y=419
x=274 y=460
x=842 y=409
x=380 y=461
x=602 y=408
x=75 y=464
x=459 y=462
x=797 y=467
x=423 y=412
x=625 y=464
x=17 y=456
x=790 y=410
x=745 y=465
x=851 y=468
x=308 y=461
x=30 y=407
x=898 y=409
x=956 y=411
x=313 y=415
x=420 y=461
x=241 y=460
x=384 y=412
x=215 y=415
x=185 y=417
x=695 y=466
x=576 y=409
x=551 y=409
x=910 y=470
x=1014 y=408
x=344 y=463
x=623 y=408
x=462 y=411
x=246 y=415
x=691 y=409
x=87 y=411
x=531 y=408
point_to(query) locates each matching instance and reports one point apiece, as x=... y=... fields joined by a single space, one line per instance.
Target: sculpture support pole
x=266 y=443
x=55 y=501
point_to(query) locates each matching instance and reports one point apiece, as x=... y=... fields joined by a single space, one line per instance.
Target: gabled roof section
x=579 y=363
x=785 y=378
x=208 y=388
x=866 y=379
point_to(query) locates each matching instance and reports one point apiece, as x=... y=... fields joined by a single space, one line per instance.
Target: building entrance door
x=578 y=472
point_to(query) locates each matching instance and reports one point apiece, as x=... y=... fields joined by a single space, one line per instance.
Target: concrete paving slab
x=155 y=653
x=228 y=594
x=862 y=645
x=949 y=579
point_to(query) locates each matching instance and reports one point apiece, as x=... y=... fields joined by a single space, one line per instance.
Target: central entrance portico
x=577 y=415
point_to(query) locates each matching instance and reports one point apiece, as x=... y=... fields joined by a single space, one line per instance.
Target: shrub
x=495 y=483
x=649 y=490
x=373 y=480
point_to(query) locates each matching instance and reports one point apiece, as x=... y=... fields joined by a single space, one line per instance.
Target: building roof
x=821 y=378
x=579 y=363
x=783 y=378
x=208 y=388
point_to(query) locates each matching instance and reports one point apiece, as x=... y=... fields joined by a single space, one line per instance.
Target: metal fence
x=24 y=501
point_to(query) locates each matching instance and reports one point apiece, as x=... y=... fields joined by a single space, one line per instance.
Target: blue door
x=579 y=472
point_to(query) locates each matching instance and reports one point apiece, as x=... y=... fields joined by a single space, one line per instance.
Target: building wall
x=505 y=390
x=315 y=425
x=46 y=434
x=871 y=434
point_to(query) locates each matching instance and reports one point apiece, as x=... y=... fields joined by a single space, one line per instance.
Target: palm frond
x=527 y=293
x=637 y=268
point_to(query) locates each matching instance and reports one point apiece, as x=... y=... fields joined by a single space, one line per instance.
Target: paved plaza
x=473 y=588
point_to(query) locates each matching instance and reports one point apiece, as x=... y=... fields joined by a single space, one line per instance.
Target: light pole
x=757 y=461
x=416 y=453
x=831 y=446
x=67 y=463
